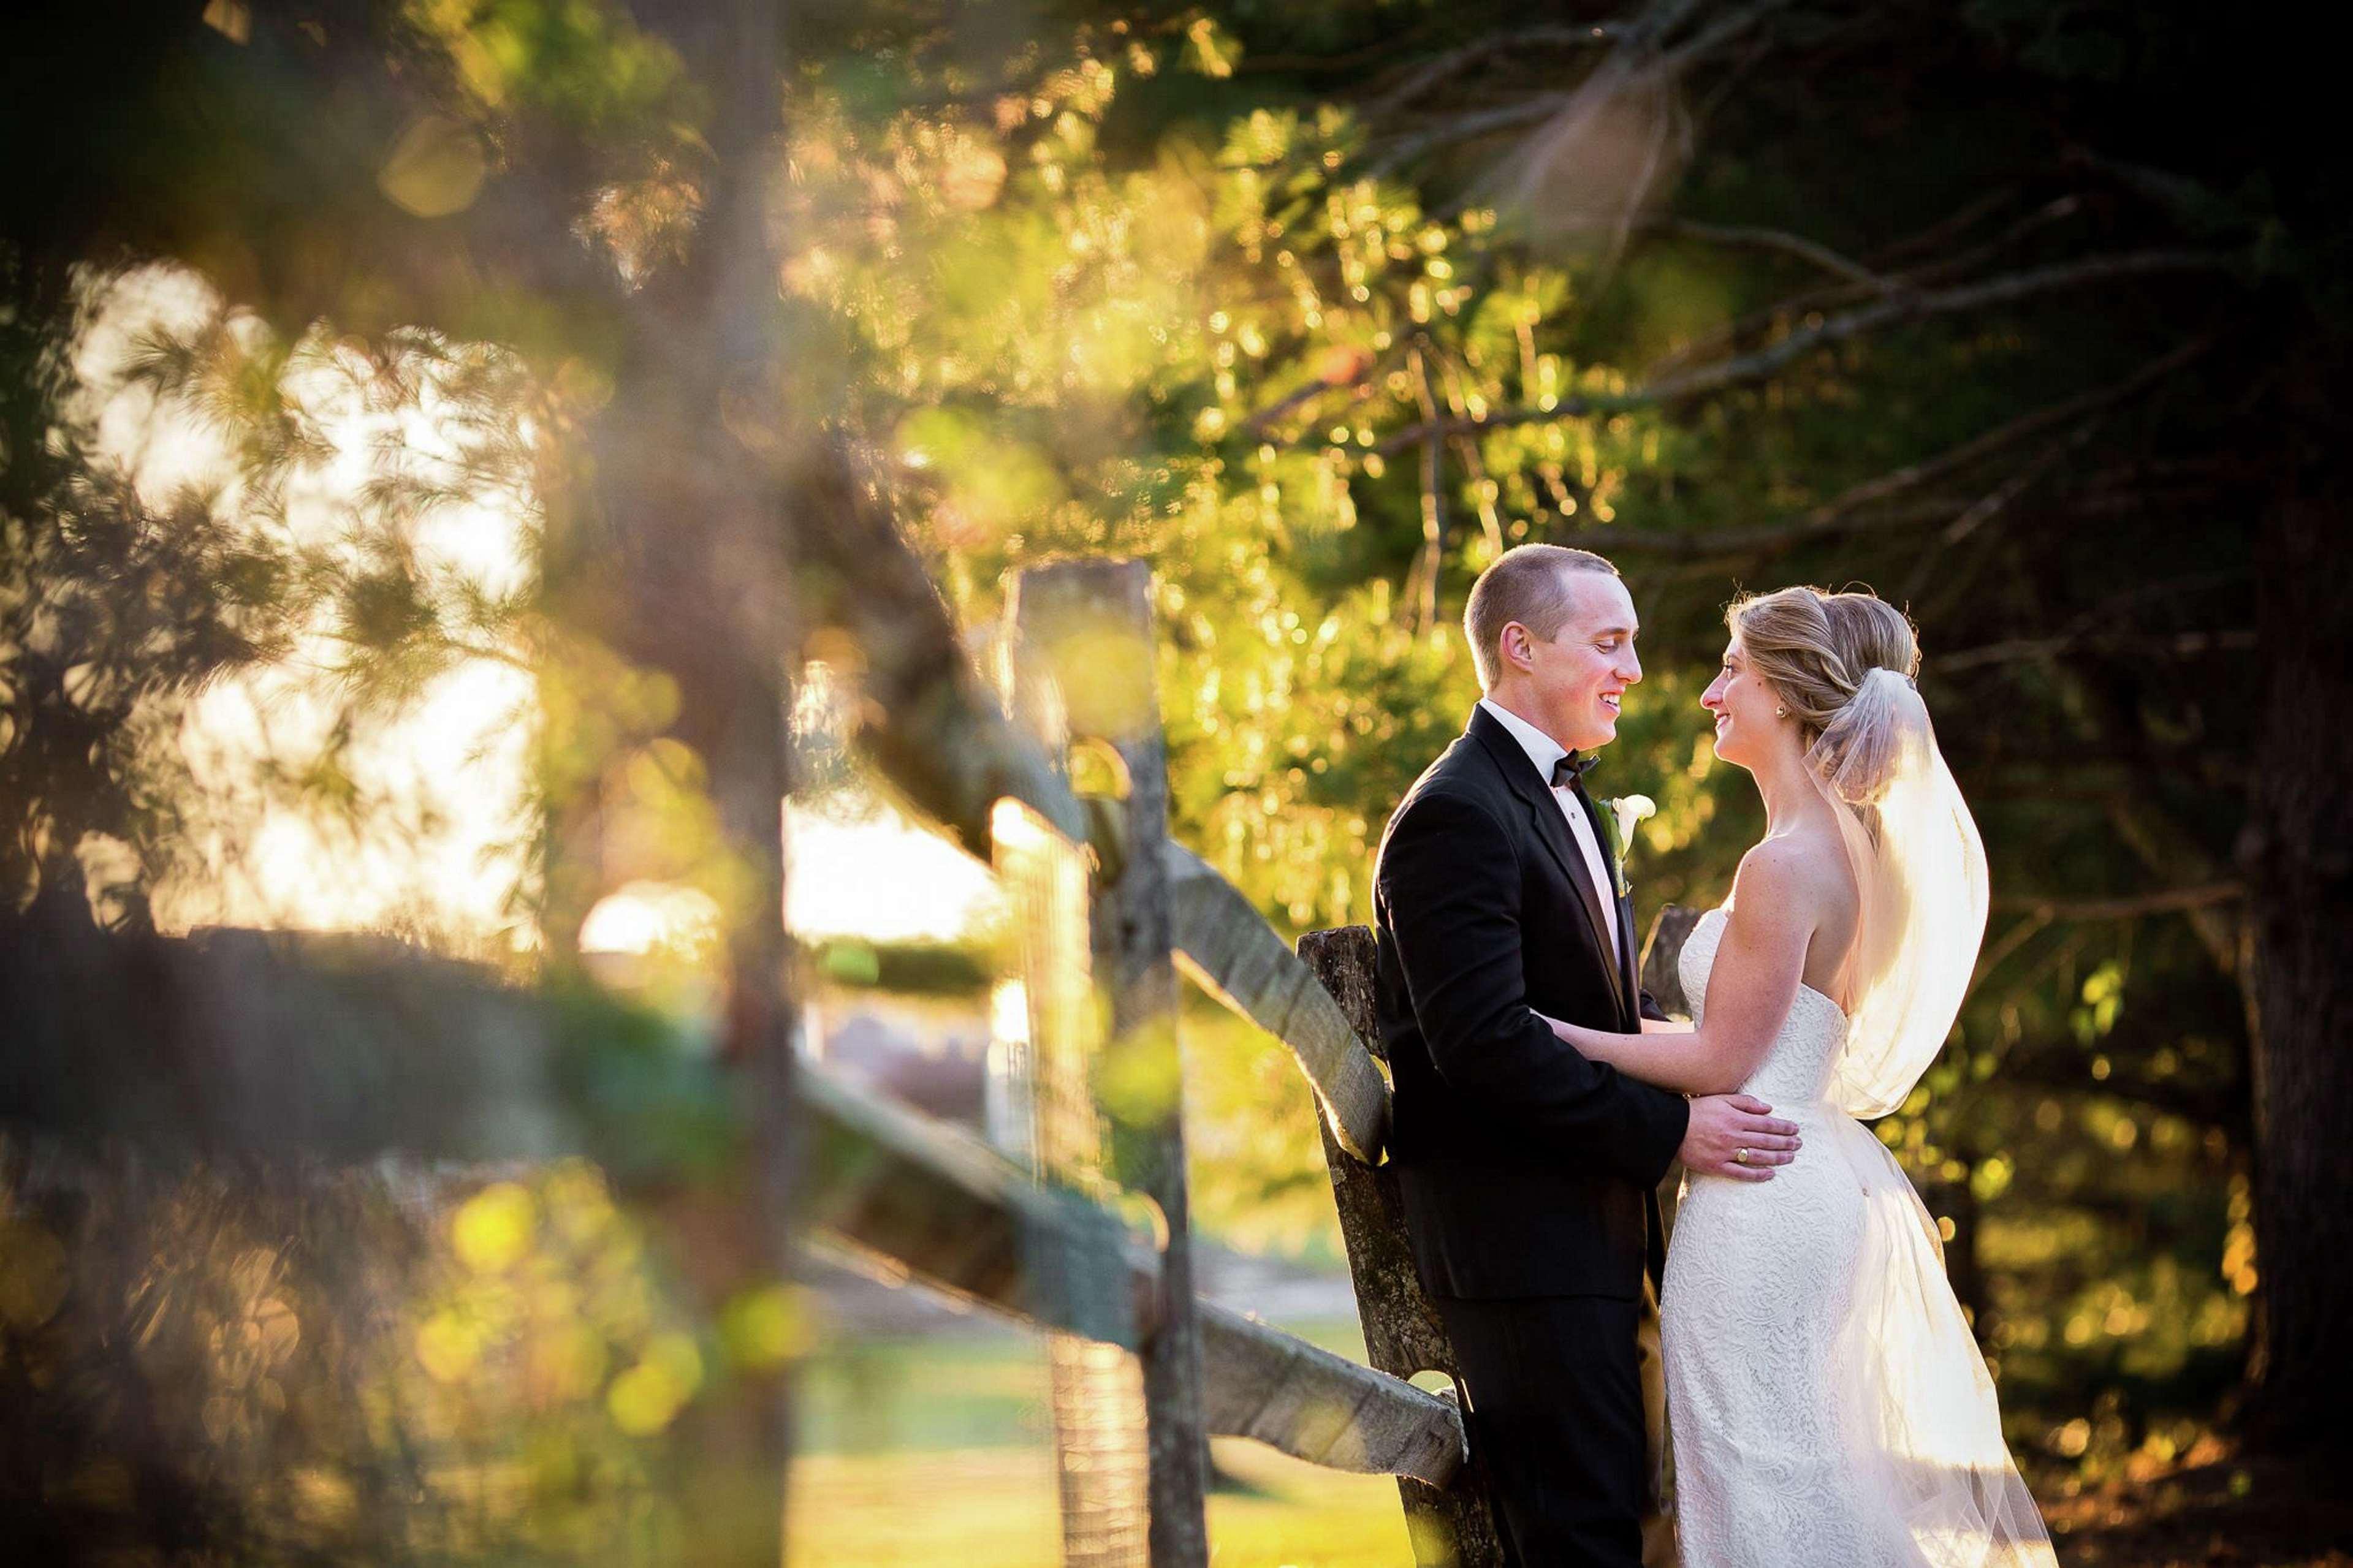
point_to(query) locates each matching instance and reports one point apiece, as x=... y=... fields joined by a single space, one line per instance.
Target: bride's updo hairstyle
x=1817 y=651
x=1841 y=667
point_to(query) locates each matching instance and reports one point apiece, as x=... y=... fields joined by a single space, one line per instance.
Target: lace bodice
x=1798 y=1065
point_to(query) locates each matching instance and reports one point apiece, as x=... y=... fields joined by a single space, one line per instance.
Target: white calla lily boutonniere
x=1621 y=813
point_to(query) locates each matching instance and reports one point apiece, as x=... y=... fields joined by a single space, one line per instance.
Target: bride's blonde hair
x=1816 y=650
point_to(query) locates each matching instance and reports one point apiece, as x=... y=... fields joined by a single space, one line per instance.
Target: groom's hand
x=1724 y=1125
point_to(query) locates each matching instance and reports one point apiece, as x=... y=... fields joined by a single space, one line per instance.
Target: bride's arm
x=1754 y=979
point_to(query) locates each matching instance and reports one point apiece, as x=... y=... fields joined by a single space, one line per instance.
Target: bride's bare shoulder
x=1806 y=867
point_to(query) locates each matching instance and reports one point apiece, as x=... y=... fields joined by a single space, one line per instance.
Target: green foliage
x=320 y=1377
x=922 y=968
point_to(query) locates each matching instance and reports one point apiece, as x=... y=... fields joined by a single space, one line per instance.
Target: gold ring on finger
x=1740 y=1156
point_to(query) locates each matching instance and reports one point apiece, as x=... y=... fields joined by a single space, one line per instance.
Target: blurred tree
x=384 y=189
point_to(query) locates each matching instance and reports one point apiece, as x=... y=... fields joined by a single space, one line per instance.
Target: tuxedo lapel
x=1621 y=911
x=1551 y=828
x=1632 y=994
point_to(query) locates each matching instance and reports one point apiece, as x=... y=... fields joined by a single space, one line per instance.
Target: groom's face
x=1581 y=675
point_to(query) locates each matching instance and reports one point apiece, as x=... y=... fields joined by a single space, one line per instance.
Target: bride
x=1827 y=1403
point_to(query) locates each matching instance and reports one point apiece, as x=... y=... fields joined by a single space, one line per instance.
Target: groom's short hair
x=1528 y=583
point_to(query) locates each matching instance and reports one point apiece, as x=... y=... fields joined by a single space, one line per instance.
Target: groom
x=1527 y=1171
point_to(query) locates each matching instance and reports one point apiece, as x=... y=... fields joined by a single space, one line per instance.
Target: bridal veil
x=1918 y=1413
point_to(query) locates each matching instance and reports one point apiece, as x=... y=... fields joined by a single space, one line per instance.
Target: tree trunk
x=2299 y=850
x=673 y=546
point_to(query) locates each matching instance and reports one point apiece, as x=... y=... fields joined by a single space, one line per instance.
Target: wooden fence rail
x=231 y=1043
x=1235 y=956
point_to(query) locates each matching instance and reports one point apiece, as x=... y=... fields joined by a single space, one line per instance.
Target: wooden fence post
x=1661 y=976
x=1081 y=673
x=1086 y=627
x=1663 y=953
x=1453 y=1527
x=1096 y=1389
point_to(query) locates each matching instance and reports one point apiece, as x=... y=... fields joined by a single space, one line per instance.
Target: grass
x=930 y=1451
x=938 y=1451
x=994 y=1508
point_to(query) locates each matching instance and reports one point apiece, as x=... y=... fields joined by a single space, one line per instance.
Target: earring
x=1779 y=711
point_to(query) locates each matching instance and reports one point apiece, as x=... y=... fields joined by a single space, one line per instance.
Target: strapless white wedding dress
x=1827 y=1403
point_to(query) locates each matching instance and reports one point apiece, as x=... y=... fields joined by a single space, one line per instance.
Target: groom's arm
x=1448 y=877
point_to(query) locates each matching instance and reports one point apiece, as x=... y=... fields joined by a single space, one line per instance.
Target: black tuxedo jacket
x=1526 y=1170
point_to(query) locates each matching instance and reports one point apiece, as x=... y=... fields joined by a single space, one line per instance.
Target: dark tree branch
x=2184 y=643
x=1967 y=218
x=1971 y=451
x=1977 y=448
x=1430 y=73
x=1838 y=516
x=2166 y=900
x=1366 y=371
x=1994 y=502
x=1794 y=245
x=1749 y=369
x=1839 y=295
x=1914 y=307
x=2163 y=845
x=1464 y=128
x=1640 y=58
x=1712 y=38
x=2186 y=201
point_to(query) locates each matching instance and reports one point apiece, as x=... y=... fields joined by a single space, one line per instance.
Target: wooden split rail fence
x=235 y=1044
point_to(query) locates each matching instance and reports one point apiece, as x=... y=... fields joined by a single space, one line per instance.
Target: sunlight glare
x=640 y=917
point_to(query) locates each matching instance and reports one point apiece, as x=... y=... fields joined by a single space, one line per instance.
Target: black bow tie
x=1571 y=768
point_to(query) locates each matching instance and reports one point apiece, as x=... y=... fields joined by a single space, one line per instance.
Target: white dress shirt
x=1543 y=751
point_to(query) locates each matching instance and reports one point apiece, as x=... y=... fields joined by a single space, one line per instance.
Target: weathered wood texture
x=949 y=1209
x=1090 y=623
x=1451 y=1524
x=236 y=1046
x=297 y=1054
x=1661 y=951
x=929 y=722
x=230 y=1043
x=1227 y=947
x=940 y=738
x=1102 y=1451
x=1324 y=1408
